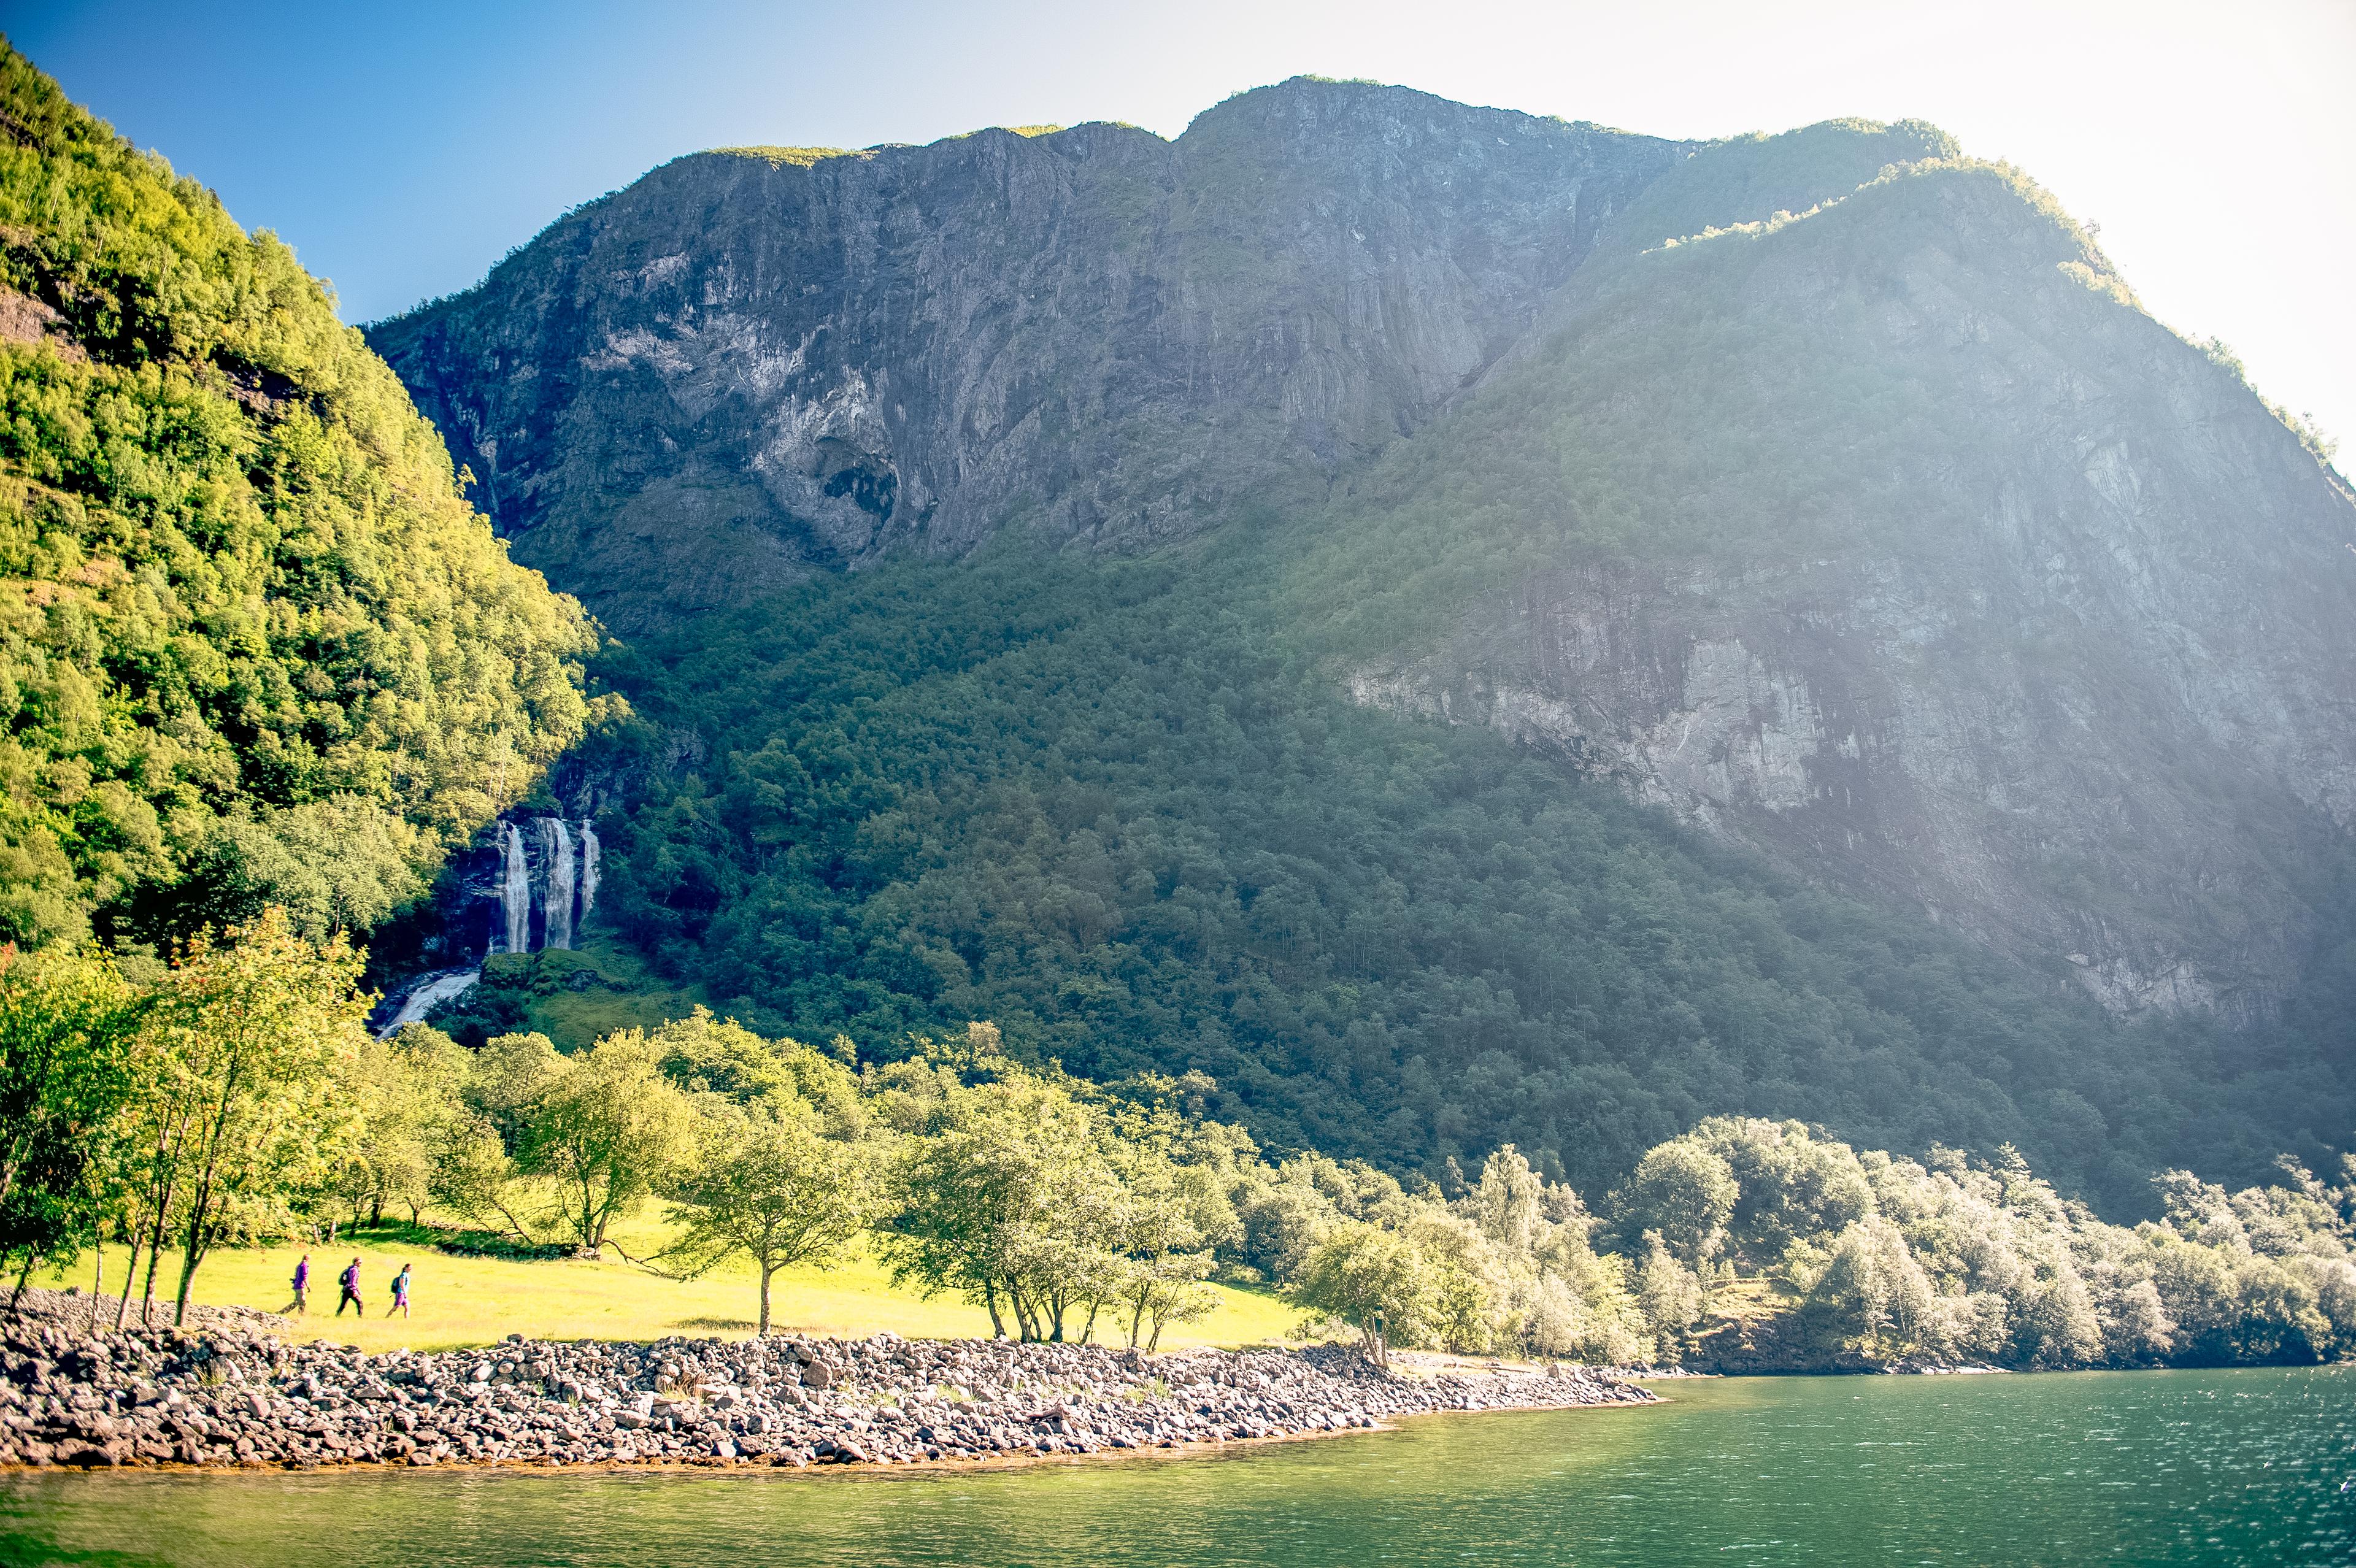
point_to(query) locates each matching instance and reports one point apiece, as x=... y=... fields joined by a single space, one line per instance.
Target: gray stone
x=740 y=369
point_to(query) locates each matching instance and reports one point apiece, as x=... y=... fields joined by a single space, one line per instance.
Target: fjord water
x=2174 y=1467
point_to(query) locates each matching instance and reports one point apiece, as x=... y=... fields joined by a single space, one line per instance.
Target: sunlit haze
x=404 y=149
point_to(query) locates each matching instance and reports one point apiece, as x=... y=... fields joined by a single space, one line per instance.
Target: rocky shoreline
x=226 y=1395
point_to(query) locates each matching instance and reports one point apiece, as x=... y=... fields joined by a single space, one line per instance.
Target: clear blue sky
x=404 y=149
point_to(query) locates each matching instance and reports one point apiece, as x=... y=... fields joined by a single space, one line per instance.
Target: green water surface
x=2226 y=1466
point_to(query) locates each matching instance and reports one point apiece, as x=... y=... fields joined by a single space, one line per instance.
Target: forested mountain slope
x=255 y=646
x=1892 y=537
x=1118 y=807
x=1828 y=490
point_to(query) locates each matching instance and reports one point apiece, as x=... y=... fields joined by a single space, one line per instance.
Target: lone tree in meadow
x=1010 y=1200
x=604 y=1129
x=766 y=1182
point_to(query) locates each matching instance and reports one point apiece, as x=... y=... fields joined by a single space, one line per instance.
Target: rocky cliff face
x=752 y=365
x=2066 y=668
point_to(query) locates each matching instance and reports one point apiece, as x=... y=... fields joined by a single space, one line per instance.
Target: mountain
x=756 y=363
x=1892 y=538
x=1896 y=540
x=1464 y=627
x=255 y=645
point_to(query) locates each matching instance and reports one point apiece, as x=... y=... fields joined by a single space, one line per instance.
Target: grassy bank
x=460 y=1301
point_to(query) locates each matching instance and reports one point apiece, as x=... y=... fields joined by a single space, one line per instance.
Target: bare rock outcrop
x=752 y=365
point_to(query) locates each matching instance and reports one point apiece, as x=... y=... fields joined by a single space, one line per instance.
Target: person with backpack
x=301 y=1302
x=399 y=1293
x=351 y=1297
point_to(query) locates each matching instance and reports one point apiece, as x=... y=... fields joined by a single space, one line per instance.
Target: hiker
x=301 y=1302
x=351 y=1297
x=399 y=1293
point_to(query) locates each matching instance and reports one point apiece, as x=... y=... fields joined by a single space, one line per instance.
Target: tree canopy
x=1124 y=810
x=256 y=647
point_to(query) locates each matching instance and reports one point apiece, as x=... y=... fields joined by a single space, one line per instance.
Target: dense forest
x=1122 y=810
x=255 y=646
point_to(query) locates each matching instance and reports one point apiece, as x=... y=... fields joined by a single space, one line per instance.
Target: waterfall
x=558 y=844
x=427 y=996
x=588 y=868
x=515 y=893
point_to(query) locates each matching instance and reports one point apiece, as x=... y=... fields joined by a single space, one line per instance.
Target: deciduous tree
x=67 y=1069
x=604 y=1130
x=766 y=1182
x=253 y=1029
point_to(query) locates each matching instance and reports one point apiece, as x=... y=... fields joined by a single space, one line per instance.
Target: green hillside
x=255 y=643
x=1125 y=809
x=1731 y=398
x=1118 y=809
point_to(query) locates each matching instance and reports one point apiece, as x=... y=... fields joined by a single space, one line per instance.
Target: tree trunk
x=200 y=1217
x=591 y=1229
x=592 y=1225
x=154 y=1256
x=168 y=1183
x=130 y=1273
x=97 y=1285
x=188 y=1277
x=514 y=1224
x=990 y=1299
x=187 y=1282
x=1026 y=1318
x=767 y=1268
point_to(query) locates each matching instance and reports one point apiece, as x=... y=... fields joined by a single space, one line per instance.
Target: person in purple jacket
x=301 y=1302
x=351 y=1297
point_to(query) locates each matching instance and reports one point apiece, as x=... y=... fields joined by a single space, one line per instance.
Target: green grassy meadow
x=460 y=1301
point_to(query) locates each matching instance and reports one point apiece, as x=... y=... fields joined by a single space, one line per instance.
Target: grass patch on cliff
x=575 y=998
x=778 y=157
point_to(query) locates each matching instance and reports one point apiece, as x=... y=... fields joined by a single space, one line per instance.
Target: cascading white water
x=427 y=996
x=515 y=893
x=556 y=844
x=588 y=868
